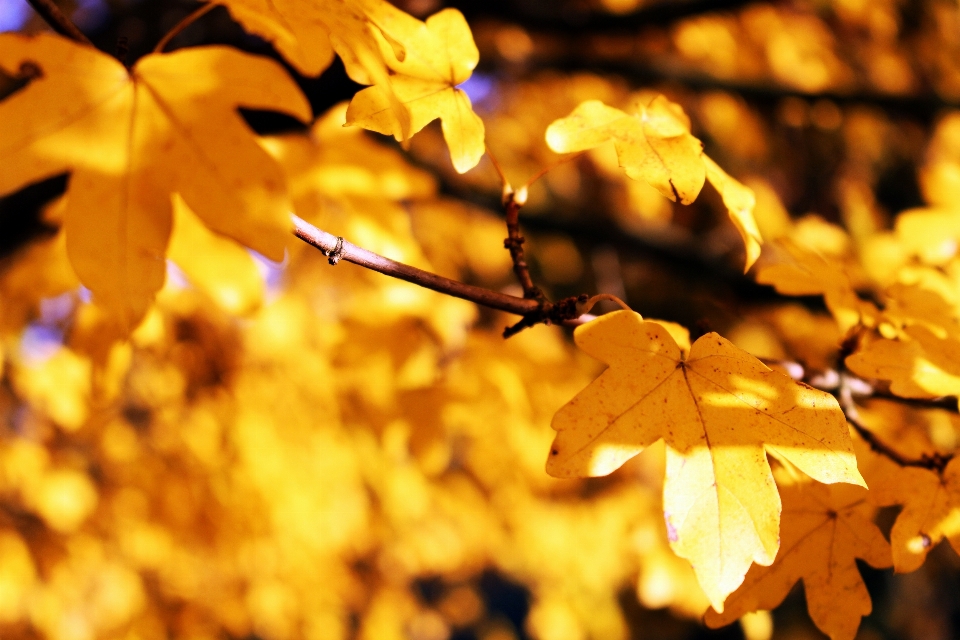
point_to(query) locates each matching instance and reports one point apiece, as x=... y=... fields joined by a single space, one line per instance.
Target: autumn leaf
x=920 y=365
x=824 y=529
x=440 y=55
x=805 y=273
x=739 y=201
x=308 y=34
x=132 y=138
x=653 y=143
x=718 y=411
x=929 y=233
x=931 y=510
x=218 y=266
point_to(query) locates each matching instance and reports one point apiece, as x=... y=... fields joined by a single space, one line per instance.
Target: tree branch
x=545 y=16
x=643 y=74
x=565 y=311
x=52 y=15
x=337 y=248
x=935 y=462
x=512 y=202
x=842 y=385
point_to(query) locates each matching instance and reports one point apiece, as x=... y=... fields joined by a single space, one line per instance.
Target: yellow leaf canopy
x=132 y=138
x=718 y=410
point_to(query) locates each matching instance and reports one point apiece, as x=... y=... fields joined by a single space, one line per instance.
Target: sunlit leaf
x=653 y=143
x=440 y=55
x=130 y=139
x=718 y=410
x=740 y=202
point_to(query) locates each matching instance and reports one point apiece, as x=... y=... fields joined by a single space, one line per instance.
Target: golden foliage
x=718 y=409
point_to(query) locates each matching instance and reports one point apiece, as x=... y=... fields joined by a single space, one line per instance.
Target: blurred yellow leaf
x=653 y=143
x=804 y=273
x=718 y=411
x=919 y=366
x=130 y=139
x=218 y=266
x=740 y=202
x=440 y=54
x=824 y=529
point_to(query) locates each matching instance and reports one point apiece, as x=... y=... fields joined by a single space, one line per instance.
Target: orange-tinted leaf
x=133 y=138
x=823 y=530
x=718 y=410
x=930 y=500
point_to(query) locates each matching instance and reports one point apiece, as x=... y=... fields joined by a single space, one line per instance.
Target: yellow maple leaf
x=130 y=138
x=930 y=501
x=919 y=366
x=823 y=530
x=739 y=201
x=308 y=33
x=440 y=55
x=654 y=145
x=718 y=410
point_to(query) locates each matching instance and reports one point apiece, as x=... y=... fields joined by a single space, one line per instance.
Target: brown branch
x=336 y=249
x=565 y=311
x=512 y=202
x=60 y=23
x=936 y=462
x=844 y=386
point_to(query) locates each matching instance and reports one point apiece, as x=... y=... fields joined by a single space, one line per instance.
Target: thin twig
x=183 y=24
x=936 y=462
x=513 y=201
x=548 y=168
x=60 y=23
x=496 y=165
x=338 y=248
x=534 y=312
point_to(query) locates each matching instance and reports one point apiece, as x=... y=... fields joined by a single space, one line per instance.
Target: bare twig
x=935 y=462
x=565 y=311
x=338 y=248
x=512 y=202
x=60 y=23
x=183 y=24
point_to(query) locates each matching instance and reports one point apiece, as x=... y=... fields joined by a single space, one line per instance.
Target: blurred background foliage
x=290 y=450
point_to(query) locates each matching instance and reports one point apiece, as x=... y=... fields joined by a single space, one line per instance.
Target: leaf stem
x=496 y=165
x=60 y=23
x=183 y=24
x=548 y=168
x=589 y=304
